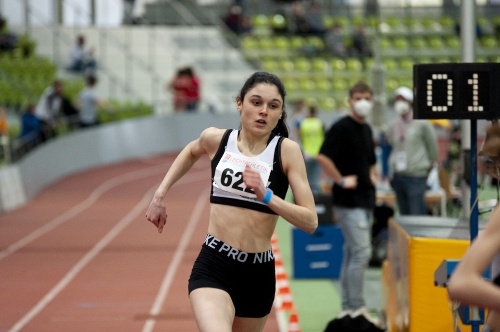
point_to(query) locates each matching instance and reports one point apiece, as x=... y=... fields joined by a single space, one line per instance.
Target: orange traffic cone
x=274 y=239
x=285 y=299
x=293 y=323
x=281 y=281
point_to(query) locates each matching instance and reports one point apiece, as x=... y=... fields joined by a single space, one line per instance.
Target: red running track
x=80 y=256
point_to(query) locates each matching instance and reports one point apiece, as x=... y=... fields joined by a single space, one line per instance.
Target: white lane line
x=98 y=247
x=176 y=260
x=79 y=208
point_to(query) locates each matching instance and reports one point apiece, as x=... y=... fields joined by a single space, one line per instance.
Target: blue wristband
x=267 y=198
x=342 y=183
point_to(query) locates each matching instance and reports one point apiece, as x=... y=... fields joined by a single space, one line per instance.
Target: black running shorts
x=248 y=278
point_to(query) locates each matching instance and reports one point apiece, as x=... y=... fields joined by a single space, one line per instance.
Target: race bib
x=229 y=173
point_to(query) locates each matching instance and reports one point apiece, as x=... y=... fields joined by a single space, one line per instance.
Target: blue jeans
x=410 y=194
x=313 y=170
x=356 y=225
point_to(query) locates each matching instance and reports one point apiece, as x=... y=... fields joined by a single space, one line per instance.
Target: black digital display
x=457 y=91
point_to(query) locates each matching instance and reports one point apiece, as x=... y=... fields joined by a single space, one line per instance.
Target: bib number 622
x=234 y=180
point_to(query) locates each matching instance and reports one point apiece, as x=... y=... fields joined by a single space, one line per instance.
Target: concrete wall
x=102 y=145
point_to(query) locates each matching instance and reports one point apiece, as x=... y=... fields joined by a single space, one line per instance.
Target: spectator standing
x=88 y=104
x=414 y=152
x=177 y=87
x=348 y=157
x=192 y=90
x=312 y=135
x=82 y=61
x=185 y=87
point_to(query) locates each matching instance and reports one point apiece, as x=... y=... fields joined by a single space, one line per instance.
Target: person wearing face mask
x=414 y=152
x=348 y=157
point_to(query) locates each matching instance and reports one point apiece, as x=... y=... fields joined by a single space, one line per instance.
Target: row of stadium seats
x=328 y=65
x=309 y=71
x=259 y=46
x=265 y=24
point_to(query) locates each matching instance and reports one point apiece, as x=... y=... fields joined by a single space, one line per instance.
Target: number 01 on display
x=457 y=91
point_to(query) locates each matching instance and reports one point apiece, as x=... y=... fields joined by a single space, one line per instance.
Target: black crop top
x=227 y=178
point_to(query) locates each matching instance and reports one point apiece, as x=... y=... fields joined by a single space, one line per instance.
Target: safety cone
x=277 y=255
x=274 y=239
x=285 y=299
x=281 y=281
x=278 y=263
x=293 y=323
x=280 y=269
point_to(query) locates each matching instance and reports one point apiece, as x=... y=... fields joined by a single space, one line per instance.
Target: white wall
x=102 y=145
x=75 y=12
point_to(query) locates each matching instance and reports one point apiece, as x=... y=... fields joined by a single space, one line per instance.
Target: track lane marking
x=176 y=260
x=87 y=203
x=98 y=247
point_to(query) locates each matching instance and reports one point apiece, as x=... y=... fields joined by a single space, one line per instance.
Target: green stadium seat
x=430 y=24
x=266 y=43
x=337 y=64
x=406 y=63
x=342 y=21
x=278 y=22
x=392 y=84
x=488 y=42
x=261 y=24
x=369 y=63
x=291 y=84
x=401 y=43
x=270 y=65
x=323 y=84
x=316 y=42
x=411 y=23
x=311 y=101
x=436 y=42
x=390 y=64
x=418 y=43
x=354 y=64
x=393 y=22
x=423 y=59
x=281 y=42
x=260 y=21
x=328 y=21
x=287 y=65
x=249 y=43
x=447 y=22
x=297 y=42
x=328 y=104
x=340 y=85
x=320 y=64
x=307 y=84
x=453 y=42
x=302 y=64
x=385 y=42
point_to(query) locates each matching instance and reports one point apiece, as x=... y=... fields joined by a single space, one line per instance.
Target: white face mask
x=401 y=107
x=363 y=107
